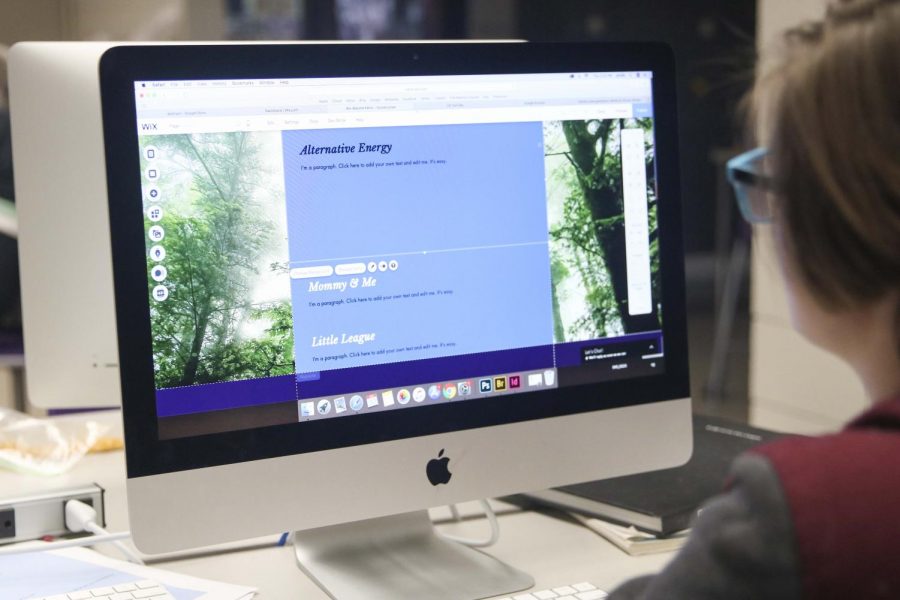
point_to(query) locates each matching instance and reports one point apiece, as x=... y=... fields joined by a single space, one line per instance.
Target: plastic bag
x=44 y=446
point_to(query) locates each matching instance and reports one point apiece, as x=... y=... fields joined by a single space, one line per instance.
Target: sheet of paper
x=40 y=574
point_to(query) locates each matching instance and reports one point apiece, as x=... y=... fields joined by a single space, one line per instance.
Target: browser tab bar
x=405 y=97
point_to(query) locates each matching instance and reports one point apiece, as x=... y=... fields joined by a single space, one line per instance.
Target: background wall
x=105 y=20
x=794 y=386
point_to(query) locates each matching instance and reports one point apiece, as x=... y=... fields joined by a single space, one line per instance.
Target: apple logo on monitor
x=437 y=470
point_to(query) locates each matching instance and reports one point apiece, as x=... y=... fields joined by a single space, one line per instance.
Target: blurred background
x=715 y=45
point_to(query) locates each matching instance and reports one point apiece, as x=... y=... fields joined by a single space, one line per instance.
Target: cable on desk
x=42 y=546
x=79 y=517
x=83 y=517
x=490 y=541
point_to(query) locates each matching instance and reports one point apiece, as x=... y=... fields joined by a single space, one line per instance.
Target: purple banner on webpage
x=254 y=392
x=285 y=388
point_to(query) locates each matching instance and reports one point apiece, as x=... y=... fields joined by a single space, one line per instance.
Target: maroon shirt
x=843 y=496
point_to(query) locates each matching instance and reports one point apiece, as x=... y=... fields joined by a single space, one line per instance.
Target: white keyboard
x=576 y=591
x=136 y=590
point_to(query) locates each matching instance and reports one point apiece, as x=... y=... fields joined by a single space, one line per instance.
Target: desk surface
x=553 y=551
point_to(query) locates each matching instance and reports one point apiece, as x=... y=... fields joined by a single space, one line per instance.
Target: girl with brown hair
x=819 y=518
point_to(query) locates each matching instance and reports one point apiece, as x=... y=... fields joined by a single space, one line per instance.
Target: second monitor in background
x=68 y=313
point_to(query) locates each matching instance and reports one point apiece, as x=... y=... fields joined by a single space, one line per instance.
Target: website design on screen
x=360 y=245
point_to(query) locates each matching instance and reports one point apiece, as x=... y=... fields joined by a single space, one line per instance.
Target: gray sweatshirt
x=741 y=546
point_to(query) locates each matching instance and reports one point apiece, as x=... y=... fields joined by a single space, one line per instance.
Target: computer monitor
x=359 y=281
x=68 y=314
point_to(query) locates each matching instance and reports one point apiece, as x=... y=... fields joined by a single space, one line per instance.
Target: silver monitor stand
x=400 y=557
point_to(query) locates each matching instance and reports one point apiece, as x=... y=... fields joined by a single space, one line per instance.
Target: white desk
x=554 y=552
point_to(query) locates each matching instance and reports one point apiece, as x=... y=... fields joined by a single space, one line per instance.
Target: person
x=819 y=518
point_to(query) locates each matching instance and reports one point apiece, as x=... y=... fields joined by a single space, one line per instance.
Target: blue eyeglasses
x=753 y=188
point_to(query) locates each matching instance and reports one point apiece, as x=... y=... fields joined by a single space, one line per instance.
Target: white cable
x=82 y=517
x=42 y=546
x=454 y=512
x=495 y=530
x=123 y=548
x=79 y=517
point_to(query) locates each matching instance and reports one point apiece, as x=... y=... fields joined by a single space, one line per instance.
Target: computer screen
x=326 y=248
x=377 y=267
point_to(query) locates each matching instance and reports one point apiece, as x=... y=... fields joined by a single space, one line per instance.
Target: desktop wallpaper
x=585 y=206
x=219 y=199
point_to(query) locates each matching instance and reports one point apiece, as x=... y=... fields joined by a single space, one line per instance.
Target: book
x=632 y=541
x=663 y=502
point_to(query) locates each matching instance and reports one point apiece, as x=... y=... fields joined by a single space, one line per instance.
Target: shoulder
x=851 y=463
x=844 y=503
x=825 y=476
x=751 y=519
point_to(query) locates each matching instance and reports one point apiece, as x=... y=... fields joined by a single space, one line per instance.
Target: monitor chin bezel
x=121 y=66
x=304 y=491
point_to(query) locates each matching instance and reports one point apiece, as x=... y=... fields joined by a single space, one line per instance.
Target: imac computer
x=68 y=312
x=356 y=281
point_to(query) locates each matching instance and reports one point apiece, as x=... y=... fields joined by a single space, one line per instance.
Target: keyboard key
x=146 y=584
x=139 y=590
x=577 y=591
x=103 y=591
x=125 y=587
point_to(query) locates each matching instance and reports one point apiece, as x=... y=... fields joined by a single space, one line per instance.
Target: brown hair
x=829 y=111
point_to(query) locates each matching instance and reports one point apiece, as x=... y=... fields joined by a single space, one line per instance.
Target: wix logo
x=149 y=126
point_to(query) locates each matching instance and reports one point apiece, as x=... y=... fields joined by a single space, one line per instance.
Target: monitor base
x=400 y=557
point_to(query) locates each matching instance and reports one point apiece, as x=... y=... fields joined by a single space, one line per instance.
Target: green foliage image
x=585 y=204
x=227 y=315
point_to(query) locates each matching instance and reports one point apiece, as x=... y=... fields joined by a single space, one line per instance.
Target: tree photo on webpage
x=586 y=214
x=228 y=314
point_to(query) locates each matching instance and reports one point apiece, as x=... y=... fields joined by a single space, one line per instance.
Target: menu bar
x=349 y=119
x=166 y=107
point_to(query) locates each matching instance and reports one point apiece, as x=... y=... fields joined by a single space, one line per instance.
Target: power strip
x=38 y=515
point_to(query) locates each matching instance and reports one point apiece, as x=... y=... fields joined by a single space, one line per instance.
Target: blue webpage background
x=490 y=191
x=474 y=225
